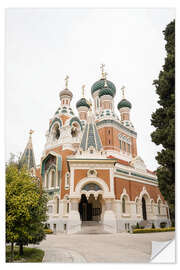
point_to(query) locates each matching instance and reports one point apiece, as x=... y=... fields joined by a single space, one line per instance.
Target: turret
x=97 y=87
x=124 y=107
x=66 y=95
x=82 y=106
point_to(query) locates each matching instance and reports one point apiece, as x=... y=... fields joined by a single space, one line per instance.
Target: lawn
x=30 y=255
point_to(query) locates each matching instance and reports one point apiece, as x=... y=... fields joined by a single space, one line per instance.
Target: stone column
x=74 y=222
x=109 y=220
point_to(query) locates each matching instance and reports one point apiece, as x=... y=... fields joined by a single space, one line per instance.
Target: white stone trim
x=144 y=192
x=87 y=180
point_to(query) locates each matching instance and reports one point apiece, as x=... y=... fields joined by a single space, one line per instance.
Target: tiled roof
x=90 y=137
x=123 y=162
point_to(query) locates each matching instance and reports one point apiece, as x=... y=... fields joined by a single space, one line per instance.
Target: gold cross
x=31 y=132
x=122 y=89
x=102 y=68
x=83 y=86
x=66 y=79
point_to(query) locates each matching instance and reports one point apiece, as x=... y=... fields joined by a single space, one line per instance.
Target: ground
x=94 y=246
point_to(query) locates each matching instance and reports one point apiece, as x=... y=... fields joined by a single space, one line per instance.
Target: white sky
x=43 y=45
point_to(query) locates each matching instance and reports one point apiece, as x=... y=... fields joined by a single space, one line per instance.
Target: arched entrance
x=144 y=208
x=90 y=209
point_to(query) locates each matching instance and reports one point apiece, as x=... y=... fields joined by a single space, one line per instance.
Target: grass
x=30 y=254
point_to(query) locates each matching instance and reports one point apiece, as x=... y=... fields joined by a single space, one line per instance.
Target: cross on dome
x=122 y=89
x=66 y=79
x=31 y=132
x=102 y=70
x=83 y=86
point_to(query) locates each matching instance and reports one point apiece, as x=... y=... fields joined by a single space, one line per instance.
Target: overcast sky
x=44 y=45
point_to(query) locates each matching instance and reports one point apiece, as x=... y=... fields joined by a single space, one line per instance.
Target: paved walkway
x=121 y=247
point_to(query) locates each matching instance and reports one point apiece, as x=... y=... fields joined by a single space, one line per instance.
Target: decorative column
x=109 y=220
x=74 y=222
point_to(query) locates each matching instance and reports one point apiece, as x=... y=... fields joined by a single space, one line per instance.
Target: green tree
x=26 y=206
x=163 y=119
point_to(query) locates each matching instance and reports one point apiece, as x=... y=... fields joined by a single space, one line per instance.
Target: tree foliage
x=163 y=119
x=26 y=206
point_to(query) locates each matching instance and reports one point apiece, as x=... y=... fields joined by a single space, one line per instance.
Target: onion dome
x=66 y=92
x=100 y=84
x=124 y=103
x=105 y=91
x=82 y=102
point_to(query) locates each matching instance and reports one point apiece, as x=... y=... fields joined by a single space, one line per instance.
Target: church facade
x=91 y=169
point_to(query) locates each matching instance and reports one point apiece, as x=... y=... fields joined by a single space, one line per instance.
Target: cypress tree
x=163 y=119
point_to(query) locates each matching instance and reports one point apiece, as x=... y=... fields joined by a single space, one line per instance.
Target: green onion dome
x=100 y=84
x=124 y=103
x=105 y=91
x=81 y=103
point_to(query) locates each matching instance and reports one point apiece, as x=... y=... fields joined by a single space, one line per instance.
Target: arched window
x=56 y=132
x=144 y=213
x=137 y=206
x=53 y=178
x=152 y=206
x=159 y=207
x=68 y=207
x=57 y=205
x=47 y=180
x=123 y=205
x=120 y=144
x=67 y=180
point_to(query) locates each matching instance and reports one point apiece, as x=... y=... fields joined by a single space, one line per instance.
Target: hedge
x=150 y=230
x=48 y=231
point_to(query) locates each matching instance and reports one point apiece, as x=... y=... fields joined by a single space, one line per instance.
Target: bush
x=48 y=231
x=137 y=225
x=149 y=230
x=163 y=224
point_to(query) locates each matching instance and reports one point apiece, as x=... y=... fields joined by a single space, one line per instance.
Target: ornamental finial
x=122 y=89
x=102 y=70
x=83 y=86
x=66 y=83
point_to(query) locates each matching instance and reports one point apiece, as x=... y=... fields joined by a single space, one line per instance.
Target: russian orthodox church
x=90 y=167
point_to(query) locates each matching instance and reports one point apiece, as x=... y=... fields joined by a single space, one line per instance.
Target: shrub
x=163 y=224
x=137 y=225
x=48 y=231
x=149 y=230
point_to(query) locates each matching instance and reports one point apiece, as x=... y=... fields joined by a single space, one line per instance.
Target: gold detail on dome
x=122 y=89
x=66 y=83
x=83 y=86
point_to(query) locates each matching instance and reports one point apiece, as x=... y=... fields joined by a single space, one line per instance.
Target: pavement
x=93 y=246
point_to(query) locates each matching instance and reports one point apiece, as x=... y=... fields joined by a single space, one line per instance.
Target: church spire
x=27 y=158
x=91 y=139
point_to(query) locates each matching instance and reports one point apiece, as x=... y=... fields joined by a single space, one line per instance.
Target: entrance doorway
x=144 y=209
x=90 y=209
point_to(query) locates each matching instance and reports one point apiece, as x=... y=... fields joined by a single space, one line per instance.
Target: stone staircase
x=92 y=227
